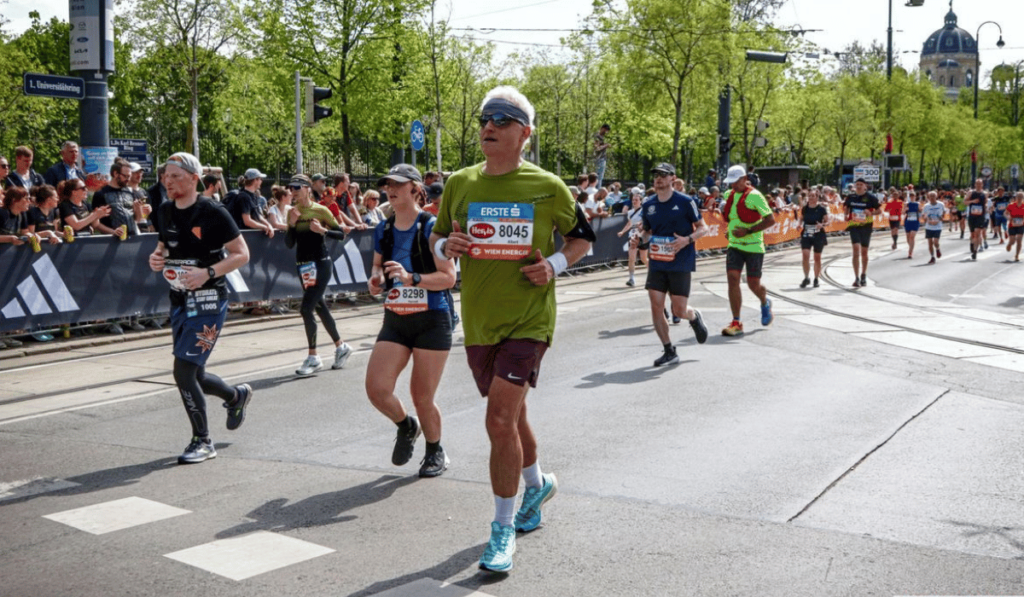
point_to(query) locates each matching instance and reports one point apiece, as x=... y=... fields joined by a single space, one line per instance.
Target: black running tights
x=313 y=299
x=194 y=383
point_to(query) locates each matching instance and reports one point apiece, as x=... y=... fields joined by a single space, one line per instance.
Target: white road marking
x=13 y=490
x=239 y=558
x=108 y=517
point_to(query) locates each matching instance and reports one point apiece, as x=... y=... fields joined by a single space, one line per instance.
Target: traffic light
x=314 y=95
x=759 y=140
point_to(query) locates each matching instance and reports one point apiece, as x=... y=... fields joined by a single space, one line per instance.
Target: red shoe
x=938 y=253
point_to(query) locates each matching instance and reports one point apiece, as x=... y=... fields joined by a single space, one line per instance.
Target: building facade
x=949 y=58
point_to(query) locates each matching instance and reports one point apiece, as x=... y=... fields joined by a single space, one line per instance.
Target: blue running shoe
x=500 y=549
x=528 y=516
x=766 y=313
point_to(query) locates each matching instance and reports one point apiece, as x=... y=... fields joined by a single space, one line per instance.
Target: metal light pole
x=977 y=76
x=888 y=77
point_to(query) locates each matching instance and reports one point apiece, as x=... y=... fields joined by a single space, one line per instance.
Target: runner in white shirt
x=932 y=213
x=634 y=217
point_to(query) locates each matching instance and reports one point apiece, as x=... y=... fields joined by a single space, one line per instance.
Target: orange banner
x=786 y=228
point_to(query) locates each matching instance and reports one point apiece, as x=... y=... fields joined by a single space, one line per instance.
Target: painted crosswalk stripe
x=239 y=558
x=116 y=515
x=12 y=490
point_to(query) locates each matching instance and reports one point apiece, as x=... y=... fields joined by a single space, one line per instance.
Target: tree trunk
x=194 y=113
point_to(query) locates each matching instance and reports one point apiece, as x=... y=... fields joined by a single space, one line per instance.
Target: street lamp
x=888 y=74
x=977 y=75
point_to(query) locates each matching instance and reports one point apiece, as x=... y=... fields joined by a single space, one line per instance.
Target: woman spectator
x=373 y=215
x=356 y=195
x=42 y=217
x=75 y=212
x=280 y=205
x=634 y=219
x=14 y=217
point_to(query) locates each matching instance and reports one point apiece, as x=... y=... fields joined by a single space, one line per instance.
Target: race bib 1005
x=661 y=248
x=405 y=300
x=500 y=230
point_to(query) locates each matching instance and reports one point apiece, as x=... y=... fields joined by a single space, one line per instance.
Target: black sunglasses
x=5 y=165
x=294 y=187
x=500 y=120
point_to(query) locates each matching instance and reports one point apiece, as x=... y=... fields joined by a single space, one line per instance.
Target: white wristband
x=439 y=248
x=558 y=263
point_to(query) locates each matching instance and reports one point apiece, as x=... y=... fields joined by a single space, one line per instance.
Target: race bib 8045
x=500 y=230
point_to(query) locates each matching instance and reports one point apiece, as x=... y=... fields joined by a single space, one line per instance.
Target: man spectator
x=319 y=185
x=709 y=180
x=592 y=185
x=431 y=177
x=347 y=211
x=434 y=192
x=121 y=199
x=601 y=153
x=157 y=195
x=716 y=195
x=753 y=178
x=747 y=216
x=67 y=168
x=244 y=207
x=211 y=187
x=23 y=175
x=141 y=206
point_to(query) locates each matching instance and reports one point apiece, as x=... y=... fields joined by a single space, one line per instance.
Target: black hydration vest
x=422 y=255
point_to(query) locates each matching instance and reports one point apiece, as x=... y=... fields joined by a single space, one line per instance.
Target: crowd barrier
x=99 y=278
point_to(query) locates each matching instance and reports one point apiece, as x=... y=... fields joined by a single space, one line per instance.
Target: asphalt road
x=867 y=443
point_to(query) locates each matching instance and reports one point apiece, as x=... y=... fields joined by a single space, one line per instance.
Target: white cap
x=703 y=191
x=735 y=173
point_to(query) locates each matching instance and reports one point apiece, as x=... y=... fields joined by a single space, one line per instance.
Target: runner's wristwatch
x=210 y=272
x=416 y=279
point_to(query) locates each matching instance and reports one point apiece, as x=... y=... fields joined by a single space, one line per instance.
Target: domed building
x=950 y=57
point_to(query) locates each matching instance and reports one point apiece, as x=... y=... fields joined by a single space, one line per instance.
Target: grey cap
x=664 y=167
x=253 y=174
x=401 y=173
x=300 y=180
x=318 y=177
x=186 y=161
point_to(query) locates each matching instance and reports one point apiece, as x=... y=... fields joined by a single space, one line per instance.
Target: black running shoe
x=863 y=279
x=856 y=282
x=434 y=463
x=974 y=255
x=236 y=410
x=805 y=283
x=669 y=358
x=815 y=282
x=700 y=331
x=405 y=442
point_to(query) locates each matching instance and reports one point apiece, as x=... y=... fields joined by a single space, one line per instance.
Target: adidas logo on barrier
x=348 y=267
x=47 y=296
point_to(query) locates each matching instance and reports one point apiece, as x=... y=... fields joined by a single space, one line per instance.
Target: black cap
x=664 y=167
x=401 y=173
x=435 y=190
x=861 y=179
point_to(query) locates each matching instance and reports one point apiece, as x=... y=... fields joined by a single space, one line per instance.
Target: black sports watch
x=416 y=279
x=211 y=273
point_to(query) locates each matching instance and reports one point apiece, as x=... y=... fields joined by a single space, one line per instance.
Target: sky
x=864 y=21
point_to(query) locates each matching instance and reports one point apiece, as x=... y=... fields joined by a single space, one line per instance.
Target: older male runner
x=747 y=213
x=500 y=218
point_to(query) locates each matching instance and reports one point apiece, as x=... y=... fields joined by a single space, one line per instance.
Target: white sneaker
x=341 y=355
x=311 y=365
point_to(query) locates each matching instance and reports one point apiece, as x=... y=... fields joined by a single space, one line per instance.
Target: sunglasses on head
x=500 y=120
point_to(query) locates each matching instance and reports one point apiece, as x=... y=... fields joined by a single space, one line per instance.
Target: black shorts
x=816 y=242
x=932 y=233
x=894 y=224
x=1015 y=230
x=957 y=215
x=861 y=235
x=516 y=360
x=678 y=283
x=429 y=330
x=977 y=223
x=643 y=246
x=736 y=260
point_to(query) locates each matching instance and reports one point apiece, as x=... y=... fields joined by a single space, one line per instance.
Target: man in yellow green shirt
x=748 y=215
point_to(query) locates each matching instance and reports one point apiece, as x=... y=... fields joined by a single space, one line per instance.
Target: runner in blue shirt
x=911 y=222
x=671 y=224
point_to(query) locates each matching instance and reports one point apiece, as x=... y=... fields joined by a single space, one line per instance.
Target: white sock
x=532 y=475
x=504 y=510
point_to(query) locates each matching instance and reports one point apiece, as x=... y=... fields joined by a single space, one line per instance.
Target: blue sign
x=130 y=146
x=54 y=86
x=418 y=135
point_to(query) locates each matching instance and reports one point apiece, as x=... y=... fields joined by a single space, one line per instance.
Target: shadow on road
x=1003 y=534
x=95 y=481
x=632 y=376
x=453 y=565
x=317 y=510
x=637 y=331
